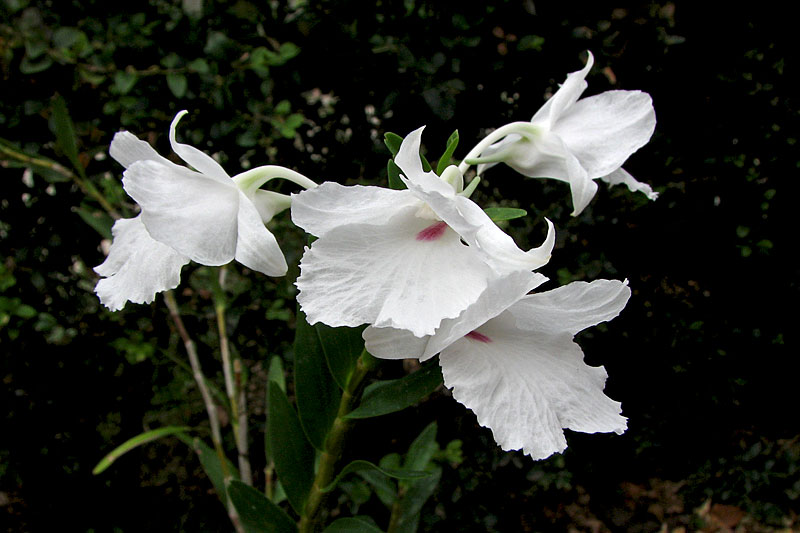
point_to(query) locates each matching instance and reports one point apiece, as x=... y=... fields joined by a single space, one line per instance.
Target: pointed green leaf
x=422 y=449
x=209 y=460
x=394 y=176
x=386 y=397
x=316 y=391
x=416 y=494
x=444 y=161
x=124 y=81
x=504 y=213
x=392 y=142
x=361 y=466
x=98 y=220
x=65 y=134
x=256 y=513
x=351 y=525
x=138 y=440
x=291 y=451
x=342 y=347
x=276 y=372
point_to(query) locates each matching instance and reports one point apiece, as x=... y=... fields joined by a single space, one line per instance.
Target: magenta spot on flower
x=432 y=232
x=480 y=337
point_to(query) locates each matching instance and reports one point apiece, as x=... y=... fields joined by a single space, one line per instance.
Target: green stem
x=521 y=128
x=334 y=444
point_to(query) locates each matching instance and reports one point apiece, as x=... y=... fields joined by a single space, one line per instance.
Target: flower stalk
x=334 y=444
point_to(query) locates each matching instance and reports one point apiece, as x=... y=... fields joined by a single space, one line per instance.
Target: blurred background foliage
x=700 y=358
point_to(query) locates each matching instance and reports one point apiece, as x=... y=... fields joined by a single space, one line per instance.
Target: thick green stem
x=334 y=444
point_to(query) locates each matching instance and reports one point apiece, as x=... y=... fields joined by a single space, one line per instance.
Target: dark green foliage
x=699 y=358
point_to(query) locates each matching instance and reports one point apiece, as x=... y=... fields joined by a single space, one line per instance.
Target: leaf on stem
x=209 y=460
x=65 y=134
x=138 y=440
x=256 y=513
x=342 y=347
x=316 y=391
x=504 y=213
x=362 y=466
x=386 y=397
x=291 y=451
x=444 y=161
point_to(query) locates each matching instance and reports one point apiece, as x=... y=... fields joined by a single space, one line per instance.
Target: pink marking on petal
x=480 y=337
x=432 y=232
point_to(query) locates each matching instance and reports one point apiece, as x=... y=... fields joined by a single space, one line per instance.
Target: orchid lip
x=480 y=337
x=432 y=232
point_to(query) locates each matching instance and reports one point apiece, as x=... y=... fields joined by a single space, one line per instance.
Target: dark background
x=701 y=358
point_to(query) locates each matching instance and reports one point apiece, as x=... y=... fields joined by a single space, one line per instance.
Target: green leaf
x=98 y=220
x=138 y=440
x=256 y=513
x=65 y=134
x=444 y=161
x=30 y=66
x=212 y=466
x=392 y=142
x=342 y=347
x=291 y=451
x=124 y=81
x=317 y=393
x=178 y=84
x=414 y=499
x=504 y=213
x=276 y=372
x=415 y=493
x=351 y=525
x=362 y=466
x=395 y=395
x=422 y=449
x=394 y=176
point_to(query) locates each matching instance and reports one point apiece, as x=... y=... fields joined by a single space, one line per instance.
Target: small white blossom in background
x=576 y=141
x=202 y=215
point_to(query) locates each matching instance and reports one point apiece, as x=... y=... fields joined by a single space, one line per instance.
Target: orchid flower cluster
x=421 y=265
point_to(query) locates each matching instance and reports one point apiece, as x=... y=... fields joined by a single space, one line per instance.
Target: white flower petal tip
x=137 y=267
x=575 y=140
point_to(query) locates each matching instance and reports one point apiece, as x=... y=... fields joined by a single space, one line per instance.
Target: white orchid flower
x=572 y=140
x=395 y=258
x=510 y=358
x=202 y=215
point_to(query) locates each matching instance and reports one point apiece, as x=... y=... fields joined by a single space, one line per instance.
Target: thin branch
x=211 y=408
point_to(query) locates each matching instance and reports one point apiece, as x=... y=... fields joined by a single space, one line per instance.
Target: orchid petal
x=566 y=96
x=256 y=247
x=476 y=228
x=525 y=378
x=194 y=215
x=501 y=293
x=127 y=149
x=201 y=161
x=323 y=208
x=388 y=276
x=603 y=131
x=137 y=267
x=622 y=176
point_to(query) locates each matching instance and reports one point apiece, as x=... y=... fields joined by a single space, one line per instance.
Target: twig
x=233 y=384
x=211 y=408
